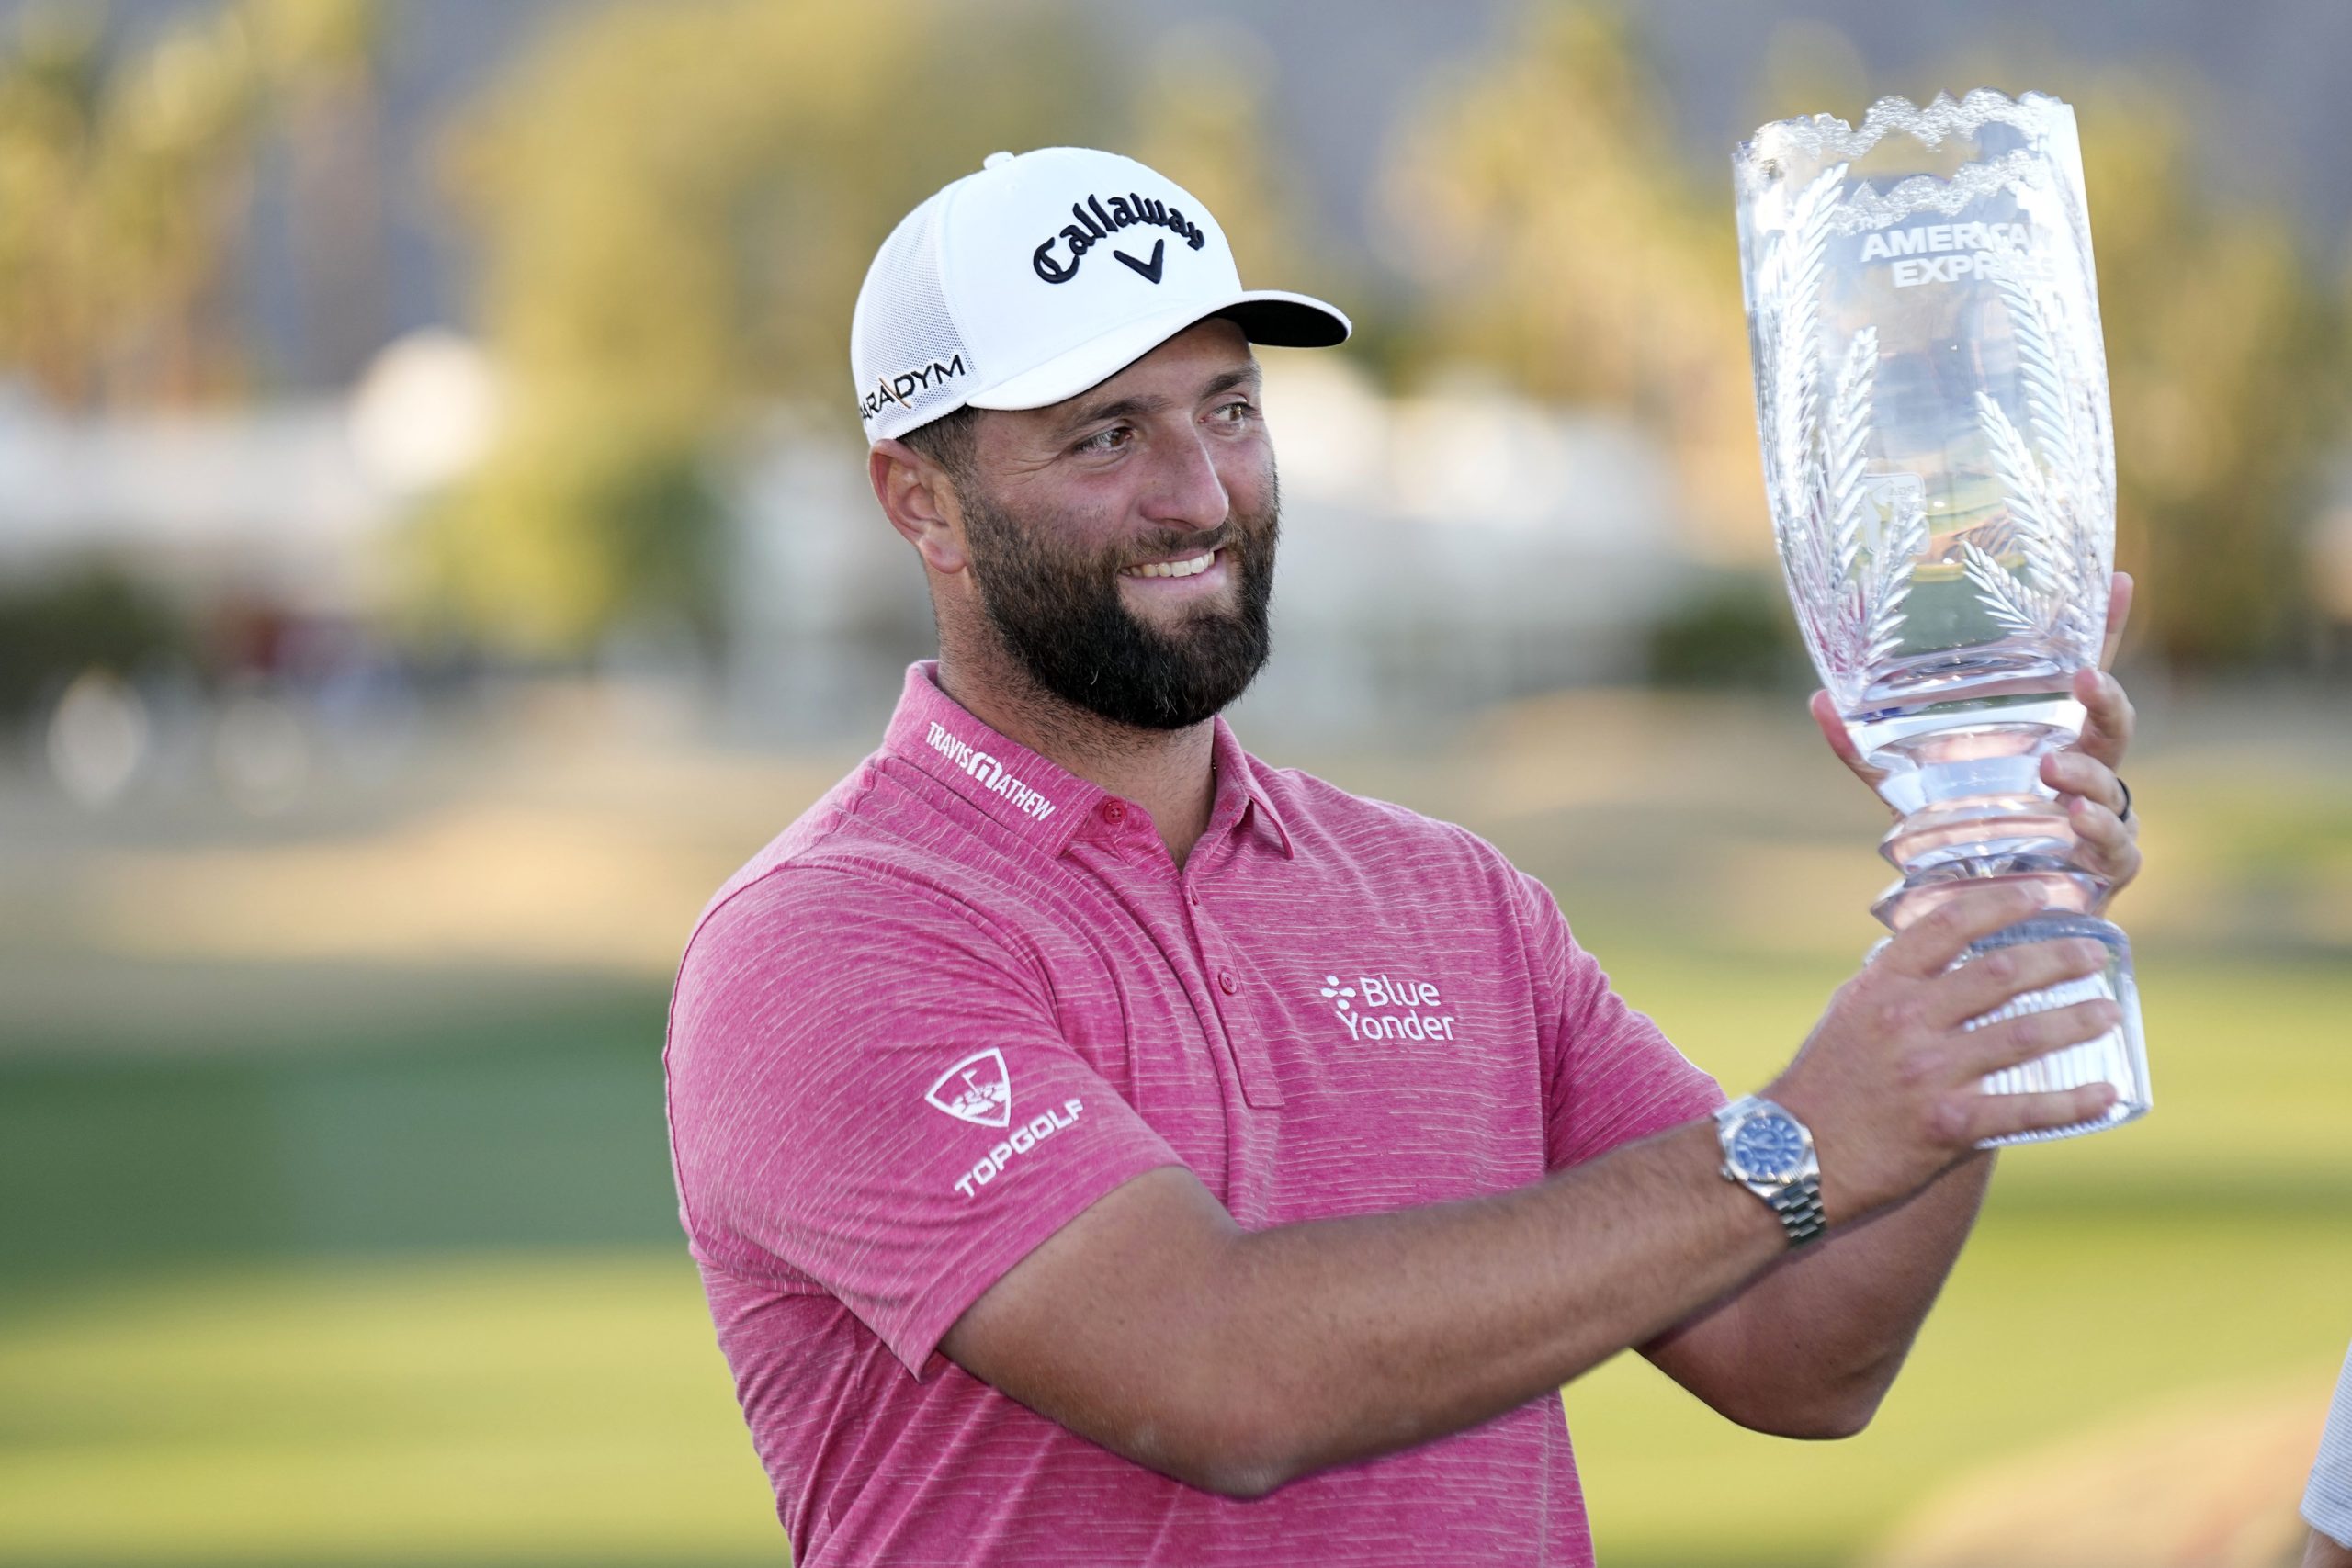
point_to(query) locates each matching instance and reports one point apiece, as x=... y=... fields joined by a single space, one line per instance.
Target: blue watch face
x=1767 y=1147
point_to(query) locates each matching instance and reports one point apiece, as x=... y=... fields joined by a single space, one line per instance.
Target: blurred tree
x=1200 y=117
x=323 y=56
x=125 y=182
x=1563 y=239
x=1732 y=629
x=1201 y=113
x=121 y=184
x=2227 y=360
x=97 y=617
x=676 y=206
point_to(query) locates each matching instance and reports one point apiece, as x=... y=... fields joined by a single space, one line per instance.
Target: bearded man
x=1100 y=1146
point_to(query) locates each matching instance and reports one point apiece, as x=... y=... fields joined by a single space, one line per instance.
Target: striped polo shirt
x=968 y=993
x=2327 y=1500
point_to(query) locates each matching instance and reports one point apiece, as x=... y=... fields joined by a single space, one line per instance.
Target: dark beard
x=1061 y=616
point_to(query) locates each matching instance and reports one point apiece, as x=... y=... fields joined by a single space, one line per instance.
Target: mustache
x=1172 y=544
x=1253 y=531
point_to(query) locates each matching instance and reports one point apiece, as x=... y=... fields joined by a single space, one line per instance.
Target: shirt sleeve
x=868 y=1086
x=2327 y=1500
x=1612 y=1075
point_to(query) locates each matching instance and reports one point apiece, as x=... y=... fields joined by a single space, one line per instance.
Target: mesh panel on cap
x=910 y=361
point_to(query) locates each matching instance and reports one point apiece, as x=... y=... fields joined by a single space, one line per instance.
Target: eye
x=1113 y=439
x=1239 y=411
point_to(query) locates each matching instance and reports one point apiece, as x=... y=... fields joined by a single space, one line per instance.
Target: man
x=2327 y=1499
x=1101 y=1146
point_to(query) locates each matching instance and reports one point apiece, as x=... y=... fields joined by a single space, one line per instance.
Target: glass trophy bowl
x=1931 y=396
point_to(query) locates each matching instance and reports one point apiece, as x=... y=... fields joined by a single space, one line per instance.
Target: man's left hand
x=2083 y=774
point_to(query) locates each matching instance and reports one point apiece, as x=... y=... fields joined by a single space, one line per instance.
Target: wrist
x=1767 y=1149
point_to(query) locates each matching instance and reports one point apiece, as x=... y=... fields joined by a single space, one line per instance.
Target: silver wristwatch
x=1771 y=1153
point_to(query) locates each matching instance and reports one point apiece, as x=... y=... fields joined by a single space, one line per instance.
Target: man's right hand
x=1889 y=1080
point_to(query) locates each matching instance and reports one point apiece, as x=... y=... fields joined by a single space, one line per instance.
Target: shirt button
x=1114 y=811
x=1225 y=982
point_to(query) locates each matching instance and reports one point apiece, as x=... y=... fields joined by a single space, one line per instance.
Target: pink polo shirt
x=968 y=993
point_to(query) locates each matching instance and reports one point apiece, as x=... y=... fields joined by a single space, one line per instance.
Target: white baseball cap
x=1038 y=277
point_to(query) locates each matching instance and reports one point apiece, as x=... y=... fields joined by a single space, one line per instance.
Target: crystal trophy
x=1931 y=395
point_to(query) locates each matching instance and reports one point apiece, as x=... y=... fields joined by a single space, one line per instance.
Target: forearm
x=1356 y=1337
x=1156 y=1326
x=1821 y=1338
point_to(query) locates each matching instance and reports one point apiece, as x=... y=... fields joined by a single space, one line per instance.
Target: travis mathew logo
x=1381 y=992
x=978 y=1089
x=1097 y=223
x=907 y=383
x=990 y=775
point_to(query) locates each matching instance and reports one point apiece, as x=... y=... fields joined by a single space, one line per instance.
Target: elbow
x=1235 y=1470
x=1825 y=1424
x=1238 y=1439
x=1240 y=1454
x=1820 y=1416
x=1238 y=1478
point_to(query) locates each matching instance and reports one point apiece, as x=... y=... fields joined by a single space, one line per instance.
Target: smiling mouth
x=1190 y=566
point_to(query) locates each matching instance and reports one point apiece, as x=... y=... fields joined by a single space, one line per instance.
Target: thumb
x=1833 y=729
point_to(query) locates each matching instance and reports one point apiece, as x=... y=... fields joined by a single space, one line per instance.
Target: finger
x=2079 y=775
x=1984 y=981
x=1993 y=1047
x=2108 y=717
x=1929 y=944
x=2120 y=589
x=1841 y=740
x=2004 y=1115
x=2105 y=847
x=2102 y=833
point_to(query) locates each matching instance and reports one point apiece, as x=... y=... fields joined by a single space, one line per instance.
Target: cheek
x=1248 y=475
x=1070 y=525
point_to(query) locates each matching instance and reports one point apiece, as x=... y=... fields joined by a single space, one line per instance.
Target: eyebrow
x=1135 y=407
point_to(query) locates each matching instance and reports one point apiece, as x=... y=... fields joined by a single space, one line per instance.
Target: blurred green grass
x=492 y=1408
x=372 y=1265
x=2207 y=1247
x=349 y=1338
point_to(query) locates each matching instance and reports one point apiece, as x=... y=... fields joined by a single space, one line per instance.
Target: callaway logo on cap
x=1042 y=276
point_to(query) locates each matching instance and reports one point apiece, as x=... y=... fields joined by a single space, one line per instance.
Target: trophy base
x=1966 y=776
x=2119 y=1057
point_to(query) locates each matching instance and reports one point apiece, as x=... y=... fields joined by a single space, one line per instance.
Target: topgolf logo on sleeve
x=979 y=1090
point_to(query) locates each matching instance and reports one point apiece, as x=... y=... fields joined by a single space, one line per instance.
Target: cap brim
x=1265 y=315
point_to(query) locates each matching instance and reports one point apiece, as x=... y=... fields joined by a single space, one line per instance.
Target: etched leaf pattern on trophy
x=1931 y=398
x=1905 y=541
x=2057 y=504
x=1849 y=597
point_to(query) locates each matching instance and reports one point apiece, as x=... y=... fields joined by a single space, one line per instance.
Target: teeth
x=1192 y=568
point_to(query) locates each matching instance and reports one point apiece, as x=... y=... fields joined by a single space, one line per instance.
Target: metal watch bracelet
x=1798 y=1205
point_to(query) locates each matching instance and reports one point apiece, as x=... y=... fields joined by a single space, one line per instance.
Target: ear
x=919 y=499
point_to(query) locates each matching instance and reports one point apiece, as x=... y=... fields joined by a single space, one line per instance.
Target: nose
x=1186 y=491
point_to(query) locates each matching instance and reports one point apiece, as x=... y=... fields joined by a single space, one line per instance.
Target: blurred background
x=435 y=551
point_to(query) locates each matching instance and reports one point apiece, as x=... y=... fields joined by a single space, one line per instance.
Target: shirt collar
x=1037 y=801
x=1239 y=790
